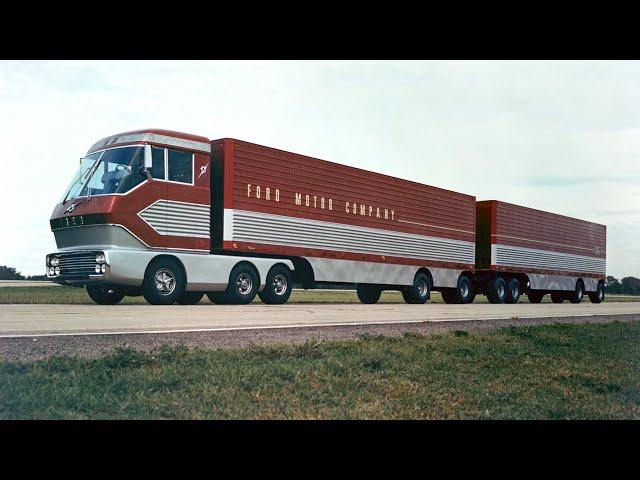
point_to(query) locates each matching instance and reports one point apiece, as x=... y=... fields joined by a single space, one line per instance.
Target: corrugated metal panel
x=411 y=208
x=295 y=232
x=527 y=227
x=540 y=259
x=177 y=218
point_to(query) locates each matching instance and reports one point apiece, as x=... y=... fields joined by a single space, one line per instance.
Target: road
x=53 y=320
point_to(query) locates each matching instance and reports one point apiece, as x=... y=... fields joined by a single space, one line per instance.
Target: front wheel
x=105 y=295
x=368 y=294
x=277 y=289
x=164 y=281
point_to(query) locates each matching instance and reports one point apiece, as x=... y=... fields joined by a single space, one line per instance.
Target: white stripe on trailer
x=510 y=256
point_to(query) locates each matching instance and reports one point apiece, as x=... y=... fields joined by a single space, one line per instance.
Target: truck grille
x=72 y=264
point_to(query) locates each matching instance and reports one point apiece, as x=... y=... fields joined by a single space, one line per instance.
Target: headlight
x=51 y=271
x=100 y=258
x=57 y=270
x=103 y=268
x=97 y=268
x=54 y=261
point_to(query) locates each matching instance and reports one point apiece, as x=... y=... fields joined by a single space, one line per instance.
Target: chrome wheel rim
x=244 y=284
x=464 y=290
x=165 y=281
x=423 y=288
x=280 y=286
x=514 y=292
x=500 y=291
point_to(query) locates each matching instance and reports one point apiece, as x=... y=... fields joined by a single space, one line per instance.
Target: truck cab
x=140 y=197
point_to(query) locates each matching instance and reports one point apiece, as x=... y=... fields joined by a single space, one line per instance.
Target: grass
x=71 y=295
x=588 y=371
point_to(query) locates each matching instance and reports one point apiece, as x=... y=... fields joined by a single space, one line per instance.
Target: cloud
x=560 y=136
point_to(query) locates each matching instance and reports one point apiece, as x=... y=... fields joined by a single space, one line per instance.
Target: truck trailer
x=522 y=249
x=173 y=216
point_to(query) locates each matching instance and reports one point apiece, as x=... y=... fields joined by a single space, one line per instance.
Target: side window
x=180 y=166
x=157 y=163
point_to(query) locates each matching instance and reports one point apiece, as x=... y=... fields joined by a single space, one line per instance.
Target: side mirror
x=148 y=162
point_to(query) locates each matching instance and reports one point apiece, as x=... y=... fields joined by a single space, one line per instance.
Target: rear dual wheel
x=463 y=293
x=598 y=295
x=279 y=283
x=420 y=291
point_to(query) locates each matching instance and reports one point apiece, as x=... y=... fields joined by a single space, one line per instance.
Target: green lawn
x=71 y=295
x=588 y=371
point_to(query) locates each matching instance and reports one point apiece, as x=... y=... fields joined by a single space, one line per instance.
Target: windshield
x=117 y=170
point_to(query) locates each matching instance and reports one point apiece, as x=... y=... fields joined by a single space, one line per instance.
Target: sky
x=562 y=136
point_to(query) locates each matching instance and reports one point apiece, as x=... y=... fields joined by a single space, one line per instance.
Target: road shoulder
x=91 y=346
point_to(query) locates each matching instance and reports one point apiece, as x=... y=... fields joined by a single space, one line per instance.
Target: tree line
x=626 y=285
x=10 y=273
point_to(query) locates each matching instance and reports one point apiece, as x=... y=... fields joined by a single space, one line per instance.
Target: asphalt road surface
x=53 y=320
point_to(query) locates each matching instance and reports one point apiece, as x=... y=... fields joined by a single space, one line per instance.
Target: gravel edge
x=92 y=346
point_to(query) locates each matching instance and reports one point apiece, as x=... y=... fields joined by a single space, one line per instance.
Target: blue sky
x=559 y=136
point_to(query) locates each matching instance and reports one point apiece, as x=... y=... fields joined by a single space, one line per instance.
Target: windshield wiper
x=86 y=176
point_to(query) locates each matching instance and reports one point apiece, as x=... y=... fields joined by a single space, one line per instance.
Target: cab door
x=188 y=207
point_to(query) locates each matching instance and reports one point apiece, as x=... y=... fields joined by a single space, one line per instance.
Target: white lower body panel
x=352 y=271
x=560 y=282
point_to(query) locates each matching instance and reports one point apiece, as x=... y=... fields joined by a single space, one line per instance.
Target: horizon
x=555 y=136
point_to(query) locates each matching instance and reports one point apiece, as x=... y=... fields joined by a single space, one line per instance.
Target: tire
x=598 y=295
x=449 y=295
x=219 y=298
x=464 y=290
x=368 y=293
x=104 y=295
x=420 y=291
x=557 y=297
x=190 y=298
x=278 y=286
x=578 y=294
x=535 y=297
x=243 y=285
x=497 y=290
x=164 y=281
x=512 y=293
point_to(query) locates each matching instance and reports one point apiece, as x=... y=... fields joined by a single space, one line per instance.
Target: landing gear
x=278 y=286
x=368 y=293
x=557 y=297
x=105 y=295
x=496 y=293
x=420 y=291
x=598 y=295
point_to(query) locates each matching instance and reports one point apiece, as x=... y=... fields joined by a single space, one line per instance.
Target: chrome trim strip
x=247 y=226
x=507 y=255
x=151 y=137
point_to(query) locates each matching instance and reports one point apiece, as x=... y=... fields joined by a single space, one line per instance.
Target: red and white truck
x=173 y=216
